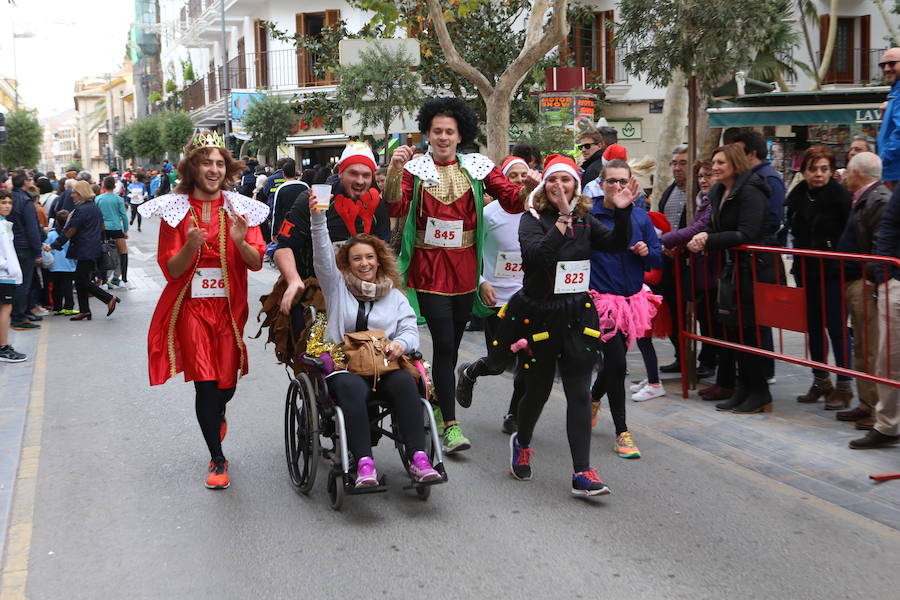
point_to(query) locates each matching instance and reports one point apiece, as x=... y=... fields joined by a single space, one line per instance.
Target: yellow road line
x=14 y=574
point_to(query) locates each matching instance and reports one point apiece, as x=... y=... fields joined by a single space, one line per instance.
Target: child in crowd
x=10 y=277
x=62 y=271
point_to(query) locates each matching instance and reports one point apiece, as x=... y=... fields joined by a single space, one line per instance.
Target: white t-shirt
x=501 y=240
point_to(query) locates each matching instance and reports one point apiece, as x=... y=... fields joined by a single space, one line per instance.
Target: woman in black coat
x=818 y=210
x=84 y=228
x=740 y=206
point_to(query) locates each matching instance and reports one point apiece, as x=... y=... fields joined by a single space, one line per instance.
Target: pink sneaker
x=366 y=476
x=421 y=470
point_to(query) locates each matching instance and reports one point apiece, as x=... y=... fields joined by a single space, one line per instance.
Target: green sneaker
x=454 y=441
x=438 y=419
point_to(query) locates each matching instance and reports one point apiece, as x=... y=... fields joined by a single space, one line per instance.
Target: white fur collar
x=477 y=165
x=173 y=207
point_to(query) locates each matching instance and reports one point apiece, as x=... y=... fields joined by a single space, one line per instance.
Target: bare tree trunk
x=808 y=40
x=538 y=42
x=887 y=21
x=829 y=45
x=671 y=133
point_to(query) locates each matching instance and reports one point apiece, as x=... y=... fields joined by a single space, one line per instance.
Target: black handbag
x=109 y=257
x=726 y=299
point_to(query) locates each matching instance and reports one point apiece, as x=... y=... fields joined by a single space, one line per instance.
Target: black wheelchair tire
x=301 y=434
x=335 y=488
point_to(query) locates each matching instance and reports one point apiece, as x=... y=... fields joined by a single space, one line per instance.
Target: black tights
x=611 y=380
x=446 y=317
x=210 y=407
x=498 y=359
x=539 y=382
x=123 y=266
x=396 y=389
x=135 y=215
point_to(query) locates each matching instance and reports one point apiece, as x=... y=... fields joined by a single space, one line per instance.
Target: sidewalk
x=801 y=445
x=15 y=393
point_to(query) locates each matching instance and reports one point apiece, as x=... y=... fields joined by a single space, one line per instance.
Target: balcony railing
x=858 y=65
x=275 y=70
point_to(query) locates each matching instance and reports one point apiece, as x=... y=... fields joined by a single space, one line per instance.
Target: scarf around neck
x=367 y=291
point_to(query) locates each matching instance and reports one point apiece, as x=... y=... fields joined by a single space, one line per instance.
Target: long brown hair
x=387 y=263
x=190 y=166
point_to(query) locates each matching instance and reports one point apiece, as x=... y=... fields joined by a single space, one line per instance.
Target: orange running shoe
x=595 y=413
x=218 y=474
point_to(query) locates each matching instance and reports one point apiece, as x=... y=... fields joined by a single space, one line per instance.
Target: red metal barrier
x=781 y=306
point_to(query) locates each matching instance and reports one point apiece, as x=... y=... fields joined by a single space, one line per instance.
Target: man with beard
x=208 y=239
x=356 y=207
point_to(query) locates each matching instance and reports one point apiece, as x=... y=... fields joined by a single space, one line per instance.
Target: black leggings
x=135 y=215
x=611 y=380
x=446 y=317
x=396 y=389
x=87 y=288
x=210 y=408
x=539 y=383
x=499 y=359
x=62 y=290
x=648 y=352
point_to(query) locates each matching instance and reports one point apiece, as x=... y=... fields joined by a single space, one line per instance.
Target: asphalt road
x=119 y=508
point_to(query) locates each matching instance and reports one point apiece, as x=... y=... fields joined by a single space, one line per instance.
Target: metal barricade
x=782 y=305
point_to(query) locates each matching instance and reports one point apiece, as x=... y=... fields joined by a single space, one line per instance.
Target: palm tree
x=808 y=15
x=774 y=60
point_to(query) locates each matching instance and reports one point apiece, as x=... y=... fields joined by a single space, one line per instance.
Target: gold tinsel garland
x=316 y=345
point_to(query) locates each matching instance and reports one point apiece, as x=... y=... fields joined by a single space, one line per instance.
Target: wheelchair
x=314 y=429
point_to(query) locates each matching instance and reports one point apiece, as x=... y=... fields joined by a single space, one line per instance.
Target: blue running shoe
x=588 y=483
x=520 y=459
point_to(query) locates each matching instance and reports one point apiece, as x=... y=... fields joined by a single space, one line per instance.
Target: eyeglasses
x=887 y=63
x=586 y=146
x=678 y=163
x=619 y=181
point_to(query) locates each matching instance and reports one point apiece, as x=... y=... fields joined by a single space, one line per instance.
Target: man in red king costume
x=208 y=239
x=443 y=194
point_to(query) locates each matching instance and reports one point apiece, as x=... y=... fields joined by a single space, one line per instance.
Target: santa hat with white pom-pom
x=557 y=163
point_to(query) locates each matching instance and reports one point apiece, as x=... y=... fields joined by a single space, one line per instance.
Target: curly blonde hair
x=387 y=263
x=543 y=205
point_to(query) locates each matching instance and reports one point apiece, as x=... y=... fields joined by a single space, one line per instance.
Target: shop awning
x=754 y=116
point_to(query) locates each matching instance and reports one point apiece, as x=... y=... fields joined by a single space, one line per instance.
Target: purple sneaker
x=366 y=476
x=421 y=470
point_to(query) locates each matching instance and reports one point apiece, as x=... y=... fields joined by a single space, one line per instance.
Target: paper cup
x=323 y=195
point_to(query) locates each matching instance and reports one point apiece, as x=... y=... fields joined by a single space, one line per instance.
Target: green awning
x=746 y=116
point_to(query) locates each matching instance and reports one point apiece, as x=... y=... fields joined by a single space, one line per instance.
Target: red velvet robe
x=199 y=333
x=451 y=271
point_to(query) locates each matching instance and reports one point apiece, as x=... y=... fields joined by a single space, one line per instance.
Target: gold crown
x=210 y=139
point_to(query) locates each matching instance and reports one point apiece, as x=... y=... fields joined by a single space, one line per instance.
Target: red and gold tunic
x=436 y=269
x=203 y=337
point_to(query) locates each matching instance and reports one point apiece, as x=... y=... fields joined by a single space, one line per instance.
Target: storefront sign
x=629 y=129
x=566 y=110
x=868 y=115
x=241 y=101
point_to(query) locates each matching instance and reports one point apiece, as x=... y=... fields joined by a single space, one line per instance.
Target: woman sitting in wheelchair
x=363 y=292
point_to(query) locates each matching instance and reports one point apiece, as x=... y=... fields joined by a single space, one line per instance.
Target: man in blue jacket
x=889 y=135
x=27 y=241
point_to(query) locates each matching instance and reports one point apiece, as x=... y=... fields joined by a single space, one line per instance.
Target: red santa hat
x=510 y=161
x=660 y=222
x=557 y=163
x=357 y=153
x=615 y=151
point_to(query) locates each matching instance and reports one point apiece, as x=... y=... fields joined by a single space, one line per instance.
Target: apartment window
x=241 y=65
x=590 y=46
x=261 y=62
x=852 y=59
x=311 y=24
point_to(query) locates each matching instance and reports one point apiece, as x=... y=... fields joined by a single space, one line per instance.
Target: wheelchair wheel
x=335 y=488
x=301 y=435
